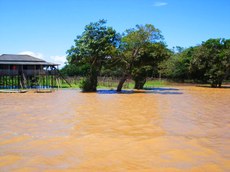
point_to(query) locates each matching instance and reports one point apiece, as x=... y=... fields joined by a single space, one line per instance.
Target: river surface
x=165 y=129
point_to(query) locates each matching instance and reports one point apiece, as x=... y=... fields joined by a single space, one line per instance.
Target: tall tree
x=147 y=63
x=213 y=58
x=92 y=48
x=178 y=66
x=133 y=42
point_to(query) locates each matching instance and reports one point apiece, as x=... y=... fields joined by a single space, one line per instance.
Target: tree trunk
x=220 y=83
x=213 y=84
x=121 y=82
x=93 y=79
x=89 y=84
x=139 y=84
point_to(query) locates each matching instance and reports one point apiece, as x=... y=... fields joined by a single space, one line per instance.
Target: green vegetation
x=206 y=63
x=111 y=83
x=91 y=50
x=140 y=53
x=212 y=60
x=135 y=52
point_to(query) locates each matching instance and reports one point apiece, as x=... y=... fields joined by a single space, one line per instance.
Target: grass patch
x=156 y=83
x=109 y=83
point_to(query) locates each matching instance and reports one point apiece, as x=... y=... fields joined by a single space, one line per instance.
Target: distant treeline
x=140 y=53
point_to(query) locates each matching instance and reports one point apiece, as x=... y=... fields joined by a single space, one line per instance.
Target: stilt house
x=24 y=71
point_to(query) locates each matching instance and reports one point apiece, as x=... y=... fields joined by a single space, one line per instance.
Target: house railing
x=4 y=72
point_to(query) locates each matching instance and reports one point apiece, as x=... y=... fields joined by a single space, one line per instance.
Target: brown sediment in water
x=169 y=129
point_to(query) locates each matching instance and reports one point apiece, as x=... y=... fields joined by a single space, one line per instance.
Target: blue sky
x=47 y=28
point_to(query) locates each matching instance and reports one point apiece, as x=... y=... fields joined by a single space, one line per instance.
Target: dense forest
x=141 y=52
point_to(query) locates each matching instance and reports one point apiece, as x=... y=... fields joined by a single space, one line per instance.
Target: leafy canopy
x=92 y=48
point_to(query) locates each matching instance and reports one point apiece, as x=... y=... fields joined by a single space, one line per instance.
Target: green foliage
x=212 y=59
x=147 y=63
x=133 y=44
x=86 y=85
x=109 y=70
x=93 y=48
x=209 y=62
x=141 y=53
x=177 y=67
x=75 y=69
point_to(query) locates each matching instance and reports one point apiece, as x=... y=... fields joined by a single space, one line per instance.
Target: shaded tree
x=178 y=66
x=92 y=48
x=213 y=59
x=148 y=62
x=133 y=42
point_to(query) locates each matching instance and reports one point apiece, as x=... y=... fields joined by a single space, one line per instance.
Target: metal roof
x=22 y=60
x=29 y=63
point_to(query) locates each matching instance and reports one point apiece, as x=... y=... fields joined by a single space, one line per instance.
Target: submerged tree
x=93 y=48
x=133 y=43
x=148 y=62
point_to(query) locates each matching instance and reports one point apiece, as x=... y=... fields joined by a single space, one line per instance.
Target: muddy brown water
x=167 y=129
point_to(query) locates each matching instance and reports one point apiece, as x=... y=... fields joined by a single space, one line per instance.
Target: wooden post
x=46 y=77
x=50 y=85
x=43 y=83
x=57 y=83
x=12 y=82
x=6 y=81
x=18 y=81
x=0 y=81
x=52 y=82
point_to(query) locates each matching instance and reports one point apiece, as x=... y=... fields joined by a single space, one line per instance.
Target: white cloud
x=54 y=59
x=59 y=60
x=160 y=4
x=38 y=55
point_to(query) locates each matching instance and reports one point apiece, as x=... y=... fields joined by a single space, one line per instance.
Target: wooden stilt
x=18 y=81
x=12 y=82
x=27 y=77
